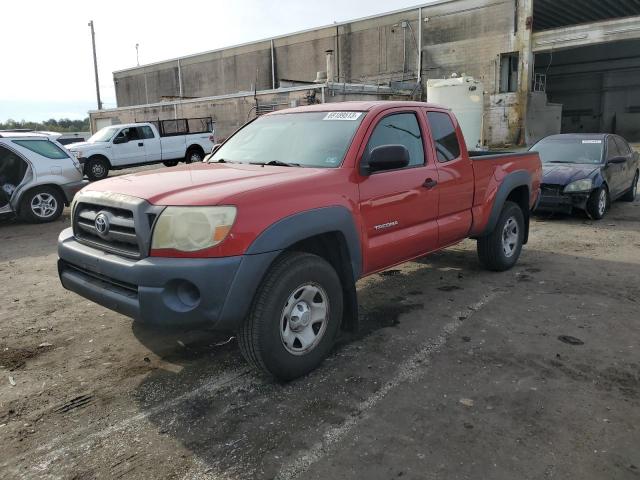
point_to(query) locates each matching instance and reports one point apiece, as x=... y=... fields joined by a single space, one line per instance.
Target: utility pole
x=95 y=64
x=137 y=57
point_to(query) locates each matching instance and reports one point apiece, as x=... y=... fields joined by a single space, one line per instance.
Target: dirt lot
x=457 y=373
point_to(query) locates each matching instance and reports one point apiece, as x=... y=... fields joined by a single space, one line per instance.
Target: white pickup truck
x=126 y=145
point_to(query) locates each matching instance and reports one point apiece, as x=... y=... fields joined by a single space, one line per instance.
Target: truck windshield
x=103 y=135
x=311 y=139
x=569 y=150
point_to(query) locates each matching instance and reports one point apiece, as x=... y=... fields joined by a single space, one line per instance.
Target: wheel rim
x=602 y=202
x=97 y=169
x=195 y=157
x=304 y=319
x=635 y=186
x=44 y=205
x=510 y=237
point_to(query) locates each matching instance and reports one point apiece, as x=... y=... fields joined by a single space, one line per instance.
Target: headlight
x=76 y=154
x=189 y=229
x=583 y=185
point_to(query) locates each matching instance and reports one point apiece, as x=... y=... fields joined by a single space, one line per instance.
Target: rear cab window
x=399 y=129
x=43 y=147
x=444 y=136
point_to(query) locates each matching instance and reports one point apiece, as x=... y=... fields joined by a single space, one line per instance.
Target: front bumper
x=70 y=189
x=160 y=291
x=553 y=200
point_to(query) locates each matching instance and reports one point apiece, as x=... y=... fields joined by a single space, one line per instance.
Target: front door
x=399 y=207
x=131 y=151
x=12 y=171
x=614 y=172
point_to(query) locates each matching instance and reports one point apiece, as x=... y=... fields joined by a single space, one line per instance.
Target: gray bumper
x=215 y=292
x=70 y=189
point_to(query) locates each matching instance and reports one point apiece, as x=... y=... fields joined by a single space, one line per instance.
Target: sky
x=47 y=63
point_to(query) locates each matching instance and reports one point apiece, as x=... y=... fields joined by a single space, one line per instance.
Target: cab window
x=399 y=129
x=444 y=136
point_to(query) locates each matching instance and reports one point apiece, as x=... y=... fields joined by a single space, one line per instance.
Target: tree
x=61 y=125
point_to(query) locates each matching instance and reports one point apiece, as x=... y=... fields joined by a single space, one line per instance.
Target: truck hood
x=201 y=183
x=563 y=173
x=82 y=146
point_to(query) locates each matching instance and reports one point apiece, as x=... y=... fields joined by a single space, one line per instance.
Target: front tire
x=41 y=205
x=500 y=250
x=598 y=203
x=170 y=163
x=97 y=168
x=294 y=318
x=630 y=196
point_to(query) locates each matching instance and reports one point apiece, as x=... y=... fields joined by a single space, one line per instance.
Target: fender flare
x=302 y=225
x=278 y=237
x=513 y=180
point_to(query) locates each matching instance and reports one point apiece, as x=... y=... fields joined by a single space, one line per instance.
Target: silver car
x=38 y=177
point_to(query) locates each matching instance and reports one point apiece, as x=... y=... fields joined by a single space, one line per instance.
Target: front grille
x=121 y=237
x=551 y=190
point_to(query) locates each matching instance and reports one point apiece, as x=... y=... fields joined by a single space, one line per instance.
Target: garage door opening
x=598 y=87
x=549 y=14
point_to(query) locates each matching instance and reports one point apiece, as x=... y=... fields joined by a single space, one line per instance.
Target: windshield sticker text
x=591 y=141
x=342 y=116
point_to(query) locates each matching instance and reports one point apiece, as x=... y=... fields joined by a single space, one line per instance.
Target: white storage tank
x=465 y=97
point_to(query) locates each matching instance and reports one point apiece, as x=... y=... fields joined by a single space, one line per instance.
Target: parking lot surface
x=456 y=373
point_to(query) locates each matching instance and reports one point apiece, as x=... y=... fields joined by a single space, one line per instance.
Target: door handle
x=429 y=183
x=141 y=144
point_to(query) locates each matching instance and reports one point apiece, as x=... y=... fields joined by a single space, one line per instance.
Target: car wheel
x=501 y=249
x=170 y=163
x=97 y=169
x=41 y=205
x=294 y=318
x=598 y=203
x=630 y=196
x=193 y=155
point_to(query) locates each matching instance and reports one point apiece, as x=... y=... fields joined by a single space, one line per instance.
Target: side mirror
x=385 y=157
x=617 y=160
x=215 y=148
x=119 y=140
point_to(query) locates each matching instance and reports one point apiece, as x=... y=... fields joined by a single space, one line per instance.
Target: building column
x=523 y=41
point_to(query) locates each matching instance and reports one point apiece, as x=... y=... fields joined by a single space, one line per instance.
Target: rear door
x=152 y=148
x=614 y=172
x=12 y=171
x=628 y=168
x=455 y=178
x=399 y=207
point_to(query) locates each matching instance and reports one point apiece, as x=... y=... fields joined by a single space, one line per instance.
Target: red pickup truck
x=268 y=237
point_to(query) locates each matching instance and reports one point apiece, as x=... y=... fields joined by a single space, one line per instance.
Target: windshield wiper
x=557 y=161
x=277 y=163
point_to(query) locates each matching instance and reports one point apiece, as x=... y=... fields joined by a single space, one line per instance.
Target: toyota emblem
x=102 y=224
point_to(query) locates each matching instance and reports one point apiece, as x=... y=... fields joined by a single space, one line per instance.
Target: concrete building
x=546 y=66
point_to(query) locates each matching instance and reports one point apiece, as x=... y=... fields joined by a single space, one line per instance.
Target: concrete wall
x=462 y=36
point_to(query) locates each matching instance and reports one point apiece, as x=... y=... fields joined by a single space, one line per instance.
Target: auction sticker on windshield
x=591 y=141
x=342 y=116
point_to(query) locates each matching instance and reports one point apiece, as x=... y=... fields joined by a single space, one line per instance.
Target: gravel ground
x=456 y=373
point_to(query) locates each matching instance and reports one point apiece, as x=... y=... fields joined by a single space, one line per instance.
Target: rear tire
x=194 y=155
x=598 y=203
x=630 y=196
x=41 y=205
x=500 y=249
x=170 y=163
x=97 y=168
x=294 y=317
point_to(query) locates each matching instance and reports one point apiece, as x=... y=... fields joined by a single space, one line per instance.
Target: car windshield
x=569 y=150
x=311 y=139
x=103 y=135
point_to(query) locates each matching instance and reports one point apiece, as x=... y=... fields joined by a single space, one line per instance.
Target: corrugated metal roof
x=560 y=13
